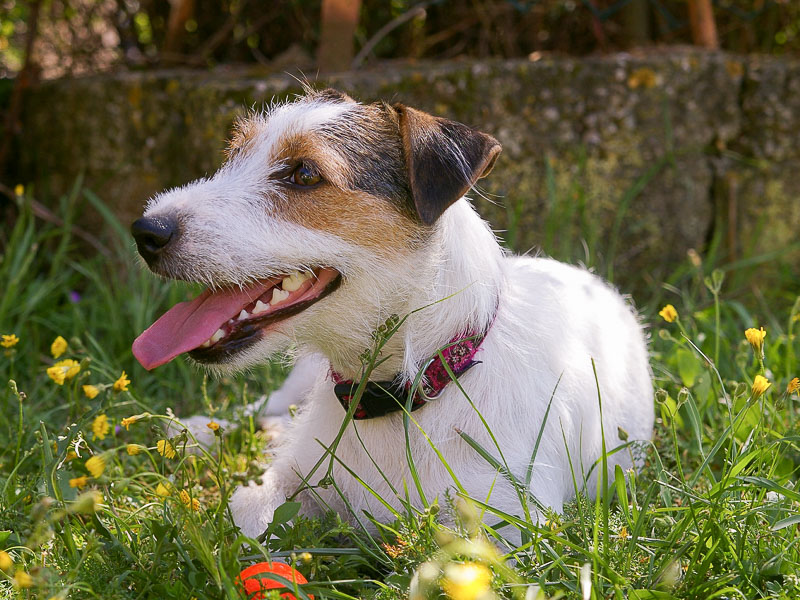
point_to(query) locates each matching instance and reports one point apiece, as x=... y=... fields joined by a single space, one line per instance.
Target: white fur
x=548 y=322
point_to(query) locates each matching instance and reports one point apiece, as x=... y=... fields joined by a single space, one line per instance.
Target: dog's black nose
x=152 y=234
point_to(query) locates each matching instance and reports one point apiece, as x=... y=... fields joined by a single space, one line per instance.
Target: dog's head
x=316 y=213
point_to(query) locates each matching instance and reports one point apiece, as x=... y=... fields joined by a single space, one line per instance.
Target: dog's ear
x=444 y=159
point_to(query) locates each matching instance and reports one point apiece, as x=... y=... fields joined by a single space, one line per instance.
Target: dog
x=341 y=230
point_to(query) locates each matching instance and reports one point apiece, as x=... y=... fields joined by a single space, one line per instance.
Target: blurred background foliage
x=76 y=37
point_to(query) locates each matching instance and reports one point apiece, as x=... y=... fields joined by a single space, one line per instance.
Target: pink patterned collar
x=383 y=397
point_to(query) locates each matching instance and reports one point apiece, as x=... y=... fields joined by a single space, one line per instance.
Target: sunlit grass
x=97 y=500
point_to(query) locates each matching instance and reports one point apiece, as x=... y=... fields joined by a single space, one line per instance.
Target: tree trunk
x=701 y=19
x=339 y=22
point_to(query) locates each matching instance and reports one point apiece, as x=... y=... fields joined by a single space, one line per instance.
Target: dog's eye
x=305 y=175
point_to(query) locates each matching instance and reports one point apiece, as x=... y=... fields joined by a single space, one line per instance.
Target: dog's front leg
x=253 y=505
x=294 y=391
x=274 y=416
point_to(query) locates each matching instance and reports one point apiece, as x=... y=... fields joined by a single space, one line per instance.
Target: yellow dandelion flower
x=100 y=427
x=64 y=370
x=133 y=449
x=6 y=561
x=756 y=339
x=19 y=189
x=793 y=386
x=90 y=391
x=121 y=384
x=466 y=581
x=71 y=367
x=213 y=426
x=9 y=340
x=22 y=580
x=79 y=482
x=188 y=502
x=56 y=374
x=165 y=449
x=668 y=313
x=760 y=385
x=58 y=347
x=163 y=490
x=96 y=465
x=127 y=422
x=306 y=557
x=623 y=533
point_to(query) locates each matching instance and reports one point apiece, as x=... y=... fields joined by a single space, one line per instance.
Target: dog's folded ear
x=444 y=159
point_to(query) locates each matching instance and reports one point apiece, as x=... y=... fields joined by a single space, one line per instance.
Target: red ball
x=255 y=579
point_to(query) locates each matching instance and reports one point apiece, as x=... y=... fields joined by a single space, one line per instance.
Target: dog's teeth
x=278 y=296
x=218 y=335
x=293 y=282
x=260 y=308
x=243 y=315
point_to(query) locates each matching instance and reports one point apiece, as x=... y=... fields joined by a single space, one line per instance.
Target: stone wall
x=648 y=156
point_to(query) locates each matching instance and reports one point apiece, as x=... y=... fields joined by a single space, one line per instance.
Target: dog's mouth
x=216 y=325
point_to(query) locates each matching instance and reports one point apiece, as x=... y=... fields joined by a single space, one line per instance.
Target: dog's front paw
x=252 y=507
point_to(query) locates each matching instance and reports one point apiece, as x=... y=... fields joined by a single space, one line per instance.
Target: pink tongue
x=188 y=324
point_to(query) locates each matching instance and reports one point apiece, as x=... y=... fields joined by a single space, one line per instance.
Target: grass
x=714 y=513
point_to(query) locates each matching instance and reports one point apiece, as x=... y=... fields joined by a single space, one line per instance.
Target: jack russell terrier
x=331 y=220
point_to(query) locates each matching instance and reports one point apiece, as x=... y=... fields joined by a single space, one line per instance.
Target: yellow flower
x=165 y=449
x=793 y=386
x=756 y=339
x=163 y=490
x=19 y=189
x=9 y=341
x=623 y=533
x=56 y=374
x=5 y=561
x=133 y=449
x=121 y=384
x=760 y=385
x=466 y=581
x=70 y=455
x=91 y=391
x=22 y=579
x=79 y=482
x=100 y=427
x=127 y=422
x=192 y=503
x=58 y=347
x=668 y=313
x=96 y=465
x=71 y=367
x=213 y=426
x=64 y=370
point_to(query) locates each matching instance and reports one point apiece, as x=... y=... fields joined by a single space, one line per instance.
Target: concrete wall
x=647 y=156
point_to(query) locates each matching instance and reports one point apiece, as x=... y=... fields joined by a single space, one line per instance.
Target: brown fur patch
x=364 y=197
x=352 y=215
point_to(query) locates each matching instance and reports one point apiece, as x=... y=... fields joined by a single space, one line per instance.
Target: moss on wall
x=641 y=154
